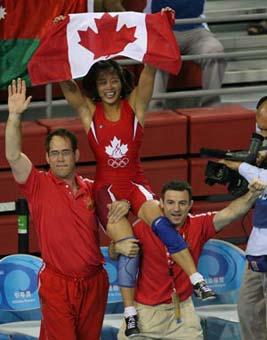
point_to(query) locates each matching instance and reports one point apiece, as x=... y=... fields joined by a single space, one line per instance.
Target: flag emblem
x=3 y=12
x=97 y=42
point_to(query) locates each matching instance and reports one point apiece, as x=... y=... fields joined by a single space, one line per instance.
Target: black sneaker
x=203 y=291
x=131 y=326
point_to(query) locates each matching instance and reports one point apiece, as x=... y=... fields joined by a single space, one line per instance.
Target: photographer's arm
x=248 y=171
x=240 y=206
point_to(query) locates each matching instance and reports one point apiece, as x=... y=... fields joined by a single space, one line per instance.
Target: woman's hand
x=170 y=12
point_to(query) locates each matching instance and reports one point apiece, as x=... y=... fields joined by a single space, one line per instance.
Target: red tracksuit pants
x=72 y=307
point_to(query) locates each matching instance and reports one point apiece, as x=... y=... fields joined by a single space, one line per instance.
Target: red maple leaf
x=107 y=41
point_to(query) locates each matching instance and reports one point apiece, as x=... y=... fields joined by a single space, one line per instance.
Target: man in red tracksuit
x=73 y=283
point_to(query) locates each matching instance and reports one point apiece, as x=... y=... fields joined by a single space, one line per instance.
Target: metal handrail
x=49 y=100
x=39 y=104
x=221 y=55
x=200 y=93
x=168 y=95
x=230 y=18
x=7 y=207
x=225 y=55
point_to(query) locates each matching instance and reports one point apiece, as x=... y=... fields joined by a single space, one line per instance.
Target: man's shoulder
x=37 y=179
x=201 y=218
x=36 y=174
x=202 y=215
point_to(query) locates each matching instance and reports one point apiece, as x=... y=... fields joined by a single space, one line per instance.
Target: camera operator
x=253 y=294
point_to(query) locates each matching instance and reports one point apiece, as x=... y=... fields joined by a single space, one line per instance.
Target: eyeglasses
x=63 y=153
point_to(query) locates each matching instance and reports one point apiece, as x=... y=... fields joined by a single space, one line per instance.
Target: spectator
x=193 y=39
x=257 y=29
x=159 y=277
x=253 y=294
x=112 y=6
x=73 y=284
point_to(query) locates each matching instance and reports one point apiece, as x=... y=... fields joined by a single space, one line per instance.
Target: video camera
x=221 y=174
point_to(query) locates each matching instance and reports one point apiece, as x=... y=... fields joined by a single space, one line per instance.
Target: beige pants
x=252 y=305
x=158 y=322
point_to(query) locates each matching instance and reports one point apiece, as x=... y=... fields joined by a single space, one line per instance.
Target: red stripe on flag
x=162 y=49
x=50 y=62
x=30 y=19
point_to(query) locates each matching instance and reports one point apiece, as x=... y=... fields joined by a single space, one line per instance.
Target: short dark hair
x=89 y=81
x=261 y=101
x=64 y=133
x=177 y=186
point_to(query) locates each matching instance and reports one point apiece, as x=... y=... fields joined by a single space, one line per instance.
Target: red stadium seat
x=188 y=77
x=9 y=189
x=223 y=127
x=165 y=134
x=32 y=143
x=160 y=172
x=8 y=234
x=75 y=126
x=87 y=171
x=197 y=168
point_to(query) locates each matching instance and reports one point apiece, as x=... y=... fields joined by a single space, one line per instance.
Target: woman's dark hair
x=64 y=133
x=89 y=81
x=177 y=186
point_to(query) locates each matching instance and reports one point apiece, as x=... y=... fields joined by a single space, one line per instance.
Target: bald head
x=261 y=116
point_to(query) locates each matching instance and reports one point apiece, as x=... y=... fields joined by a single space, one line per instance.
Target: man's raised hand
x=17 y=101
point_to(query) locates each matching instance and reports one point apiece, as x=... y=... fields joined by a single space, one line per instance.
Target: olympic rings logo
x=120 y=163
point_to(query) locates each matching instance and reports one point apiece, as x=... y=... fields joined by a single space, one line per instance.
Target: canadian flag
x=75 y=44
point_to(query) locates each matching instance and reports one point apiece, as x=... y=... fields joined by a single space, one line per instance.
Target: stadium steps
x=234 y=37
x=230 y=7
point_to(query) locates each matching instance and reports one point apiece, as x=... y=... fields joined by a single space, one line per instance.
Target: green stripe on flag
x=15 y=55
